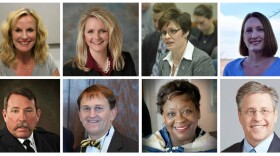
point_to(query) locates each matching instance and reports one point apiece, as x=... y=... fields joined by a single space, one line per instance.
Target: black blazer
x=68 y=140
x=45 y=141
x=128 y=70
x=120 y=143
x=238 y=147
x=149 y=52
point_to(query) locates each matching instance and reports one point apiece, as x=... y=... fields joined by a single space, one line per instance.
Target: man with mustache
x=257 y=113
x=97 y=111
x=19 y=133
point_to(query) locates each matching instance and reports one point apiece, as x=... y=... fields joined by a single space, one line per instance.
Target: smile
x=257 y=126
x=255 y=42
x=92 y=121
x=97 y=42
x=181 y=129
x=24 y=42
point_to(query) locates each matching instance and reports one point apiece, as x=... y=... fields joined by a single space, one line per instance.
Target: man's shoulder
x=46 y=134
x=128 y=145
x=234 y=148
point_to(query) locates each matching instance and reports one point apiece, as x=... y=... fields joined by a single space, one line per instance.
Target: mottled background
x=126 y=14
x=126 y=93
x=47 y=93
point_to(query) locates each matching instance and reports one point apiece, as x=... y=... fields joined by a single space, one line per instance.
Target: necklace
x=205 y=38
x=108 y=64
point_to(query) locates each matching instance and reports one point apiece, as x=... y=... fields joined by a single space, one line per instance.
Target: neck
x=210 y=30
x=176 y=143
x=99 y=57
x=24 y=57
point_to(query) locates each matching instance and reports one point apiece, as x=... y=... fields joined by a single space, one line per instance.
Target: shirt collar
x=188 y=53
x=261 y=147
x=31 y=138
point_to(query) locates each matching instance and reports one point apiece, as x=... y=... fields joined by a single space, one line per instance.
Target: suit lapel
x=13 y=145
x=183 y=68
x=116 y=143
x=275 y=144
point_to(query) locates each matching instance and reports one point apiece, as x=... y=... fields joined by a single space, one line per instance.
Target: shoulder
x=70 y=69
x=234 y=63
x=46 y=134
x=129 y=145
x=237 y=147
x=198 y=53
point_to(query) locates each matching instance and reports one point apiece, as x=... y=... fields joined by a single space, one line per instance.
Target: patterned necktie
x=28 y=147
x=252 y=150
x=88 y=142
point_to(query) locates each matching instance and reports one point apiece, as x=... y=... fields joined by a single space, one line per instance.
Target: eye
x=248 y=30
x=171 y=114
x=86 y=109
x=30 y=30
x=17 y=30
x=164 y=33
x=90 y=31
x=187 y=112
x=98 y=109
x=102 y=31
x=14 y=111
x=260 y=29
x=172 y=31
x=29 y=110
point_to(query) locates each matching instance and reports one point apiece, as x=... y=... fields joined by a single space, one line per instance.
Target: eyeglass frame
x=252 y=112
x=164 y=33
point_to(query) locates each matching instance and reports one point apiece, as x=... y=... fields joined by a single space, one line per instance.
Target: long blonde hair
x=8 y=51
x=115 y=39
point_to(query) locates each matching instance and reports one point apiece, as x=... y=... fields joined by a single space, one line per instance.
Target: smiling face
x=181 y=119
x=96 y=115
x=253 y=35
x=24 y=34
x=257 y=126
x=176 y=41
x=21 y=116
x=96 y=35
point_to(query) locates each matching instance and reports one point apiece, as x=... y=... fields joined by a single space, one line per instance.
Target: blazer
x=238 y=147
x=45 y=141
x=128 y=70
x=68 y=140
x=200 y=65
x=120 y=143
x=149 y=52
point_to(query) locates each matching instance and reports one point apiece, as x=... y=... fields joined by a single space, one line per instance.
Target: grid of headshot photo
x=135 y=77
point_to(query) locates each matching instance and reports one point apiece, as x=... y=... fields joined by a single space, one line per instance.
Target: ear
x=4 y=113
x=186 y=34
x=239 y=116
x=276 y=116
x=38 y=114
x=113 y=114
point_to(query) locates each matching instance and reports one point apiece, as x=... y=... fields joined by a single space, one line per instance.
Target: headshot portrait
x=101 y=114
x=249 y=113
x=250 y=47
x=30 y=119
x=182 y=51
x=183 y=116
x=100 y=40
x=30 y=39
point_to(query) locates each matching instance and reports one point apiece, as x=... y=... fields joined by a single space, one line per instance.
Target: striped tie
x=88 y=142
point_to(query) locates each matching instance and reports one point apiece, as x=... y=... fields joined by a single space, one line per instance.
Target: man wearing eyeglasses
x=257 y=113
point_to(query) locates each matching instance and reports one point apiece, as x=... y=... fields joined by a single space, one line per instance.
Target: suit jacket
x=128 y=70
x=149 y=52
x=120 y=143
x=68 y=140
x=200 y=65
x=238 y=147
x=45 y=141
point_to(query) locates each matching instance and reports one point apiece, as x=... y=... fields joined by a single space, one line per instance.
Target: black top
x=128 y=70
x=45 y=141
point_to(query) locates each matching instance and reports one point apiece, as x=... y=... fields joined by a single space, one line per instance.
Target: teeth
x=24 y=43
x=97 y=42
x=258 y=126
x=181 y=128
x=93 y=121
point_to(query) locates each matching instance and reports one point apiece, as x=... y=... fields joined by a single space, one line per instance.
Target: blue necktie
x=252 y=150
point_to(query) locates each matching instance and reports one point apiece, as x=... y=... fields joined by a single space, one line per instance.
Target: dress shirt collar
x=261 y=147
x=32 y=141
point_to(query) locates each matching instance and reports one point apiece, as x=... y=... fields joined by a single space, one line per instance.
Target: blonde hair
x=39 y=50
x=115 y=39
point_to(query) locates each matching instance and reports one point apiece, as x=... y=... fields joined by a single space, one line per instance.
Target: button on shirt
x=188 y=53
x=32 y=144
x=104 y=142
x=261 y=147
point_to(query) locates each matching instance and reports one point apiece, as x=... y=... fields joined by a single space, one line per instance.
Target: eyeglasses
x=170 y=32
x=253 y=112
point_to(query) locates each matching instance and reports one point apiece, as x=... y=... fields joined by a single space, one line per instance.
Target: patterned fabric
x=161 y=51
x=88 y=142
x=160 y=142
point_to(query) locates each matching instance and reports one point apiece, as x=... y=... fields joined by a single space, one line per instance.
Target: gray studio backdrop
x=126 y=13
x=231 y=130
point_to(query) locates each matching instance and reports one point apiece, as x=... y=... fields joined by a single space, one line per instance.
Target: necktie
x=28 y=147
x=252 y=150
x=88 y=142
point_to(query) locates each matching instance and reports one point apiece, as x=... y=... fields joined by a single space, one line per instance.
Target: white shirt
x=105 y=141
x=188 y=53
x=32 y=142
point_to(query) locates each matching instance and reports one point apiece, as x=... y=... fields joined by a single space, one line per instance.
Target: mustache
x=22 y=124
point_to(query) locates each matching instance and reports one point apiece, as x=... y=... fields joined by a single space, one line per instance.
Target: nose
x=22 y=116
x=179 y=118
x=254 y=34
x=92 y=113
x=96 y=35
x=24 y=34
x=257 y=116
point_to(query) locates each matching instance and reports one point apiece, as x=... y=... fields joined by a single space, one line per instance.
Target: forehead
x=93 y=99
x=171 y=24
x=257 y=100
x=26 y=19
x=178 y=102
x=252 y=21
x=199 y=18
x=16 y=100
x=92 y=22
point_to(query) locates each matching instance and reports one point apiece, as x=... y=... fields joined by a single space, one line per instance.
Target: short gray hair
x=256 y=87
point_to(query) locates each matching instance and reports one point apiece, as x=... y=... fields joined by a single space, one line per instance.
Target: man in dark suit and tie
x=18 y=134
x=257 y=112
x=97 y=111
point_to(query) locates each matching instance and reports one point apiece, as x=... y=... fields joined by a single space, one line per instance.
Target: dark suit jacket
x=238 y=147
x=149 y=52
x=128 y=70
x=45 y=141
x=120 y=143
x=68 y=140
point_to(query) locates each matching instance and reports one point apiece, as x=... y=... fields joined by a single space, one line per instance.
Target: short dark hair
x=26 y=92
x=176 y=88
x=161 y=7
x=270 y=43
x=98 y=90
x=183 y=19
x=203 y=10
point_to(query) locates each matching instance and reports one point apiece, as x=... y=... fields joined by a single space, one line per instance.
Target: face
x=181 y=118
x=175 y=39
x=203 y=23
x=21 y=116
x=259 y=125
x=253 y=35
x=24 y=34
x=156 y=17
x=96 y=115
x=96 y=35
